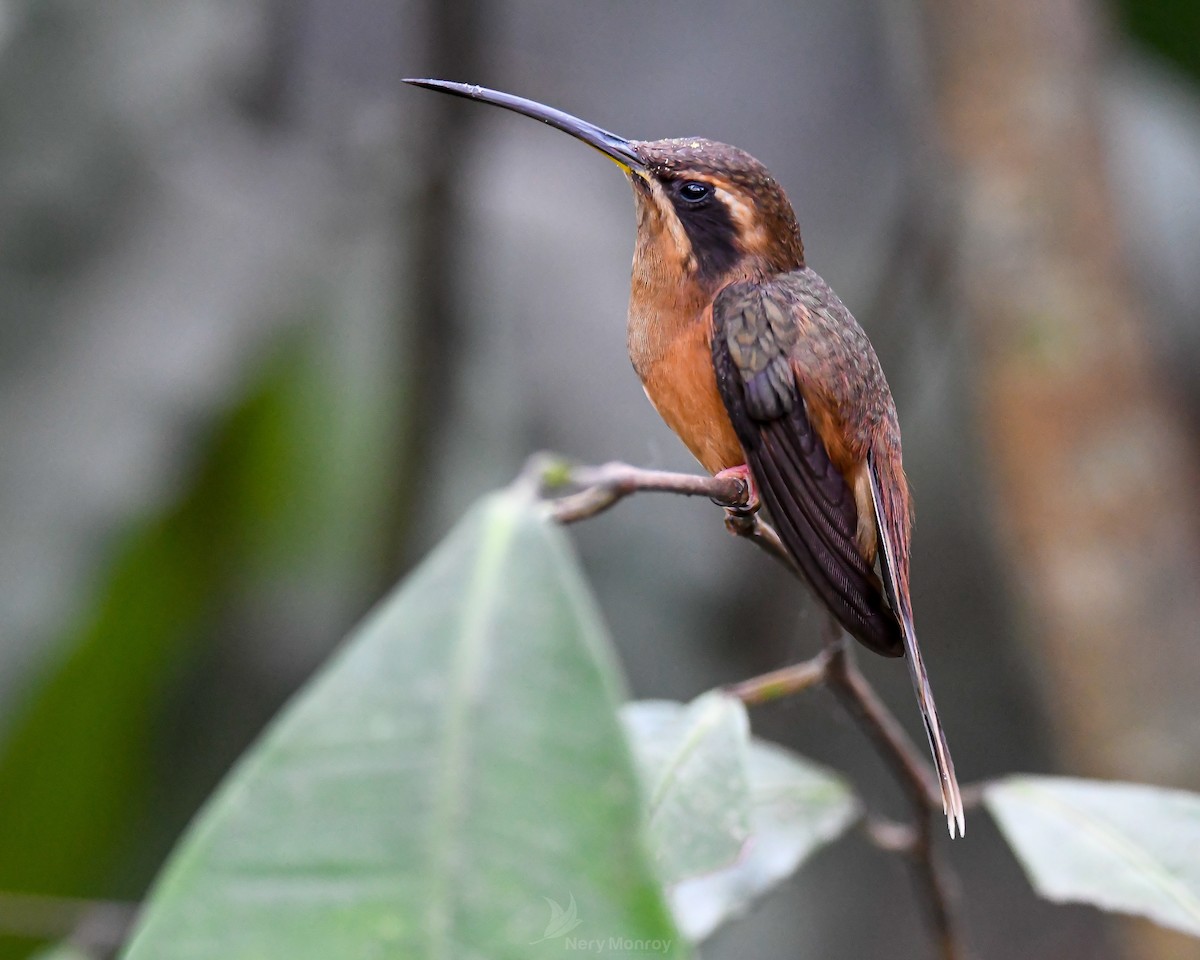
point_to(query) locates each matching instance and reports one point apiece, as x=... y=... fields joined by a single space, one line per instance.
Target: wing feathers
x=830 y=529
x=805 y=494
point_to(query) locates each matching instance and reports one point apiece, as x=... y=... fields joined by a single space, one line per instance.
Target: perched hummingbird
x=763 y=373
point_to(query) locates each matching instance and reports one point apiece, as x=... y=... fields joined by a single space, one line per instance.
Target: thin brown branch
x=973 y=794
x=95 y=926
x=754 y=528
x=596 y=489
x=599 y=488
x=883 y=730
x=782 y=683
x=889 y=835
x=910 y=770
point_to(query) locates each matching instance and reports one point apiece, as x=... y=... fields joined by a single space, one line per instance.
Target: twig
x=600 y=488
x=890 y=835
x=755 y=529
x=596 y=489
x=94 y=926
x=880 y=725
x=882 y=728
x=784 y=682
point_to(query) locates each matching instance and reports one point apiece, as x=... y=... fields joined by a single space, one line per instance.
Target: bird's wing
x=755 y=331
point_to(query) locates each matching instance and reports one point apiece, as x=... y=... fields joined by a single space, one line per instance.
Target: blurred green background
x=270 y=319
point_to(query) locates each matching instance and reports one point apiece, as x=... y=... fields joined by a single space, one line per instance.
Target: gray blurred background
x=269 y=321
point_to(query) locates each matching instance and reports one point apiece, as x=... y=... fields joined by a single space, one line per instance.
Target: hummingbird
x=764 y=374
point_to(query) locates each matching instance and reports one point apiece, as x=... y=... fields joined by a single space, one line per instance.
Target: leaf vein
x=449 y=796
x=1109 y=836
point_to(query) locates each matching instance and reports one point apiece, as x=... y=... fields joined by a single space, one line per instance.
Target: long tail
x=891 y=522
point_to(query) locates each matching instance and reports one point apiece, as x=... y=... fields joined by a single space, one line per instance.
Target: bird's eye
x=693 y=191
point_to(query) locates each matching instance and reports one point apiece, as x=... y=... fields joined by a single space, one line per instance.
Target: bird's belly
x=682 y=386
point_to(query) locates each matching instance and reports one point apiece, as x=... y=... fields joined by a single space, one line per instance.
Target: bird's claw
x=747 y=503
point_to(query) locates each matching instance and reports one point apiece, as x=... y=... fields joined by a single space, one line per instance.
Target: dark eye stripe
x=709 y=227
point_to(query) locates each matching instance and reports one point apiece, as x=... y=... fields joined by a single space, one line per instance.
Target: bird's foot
x=748 y=503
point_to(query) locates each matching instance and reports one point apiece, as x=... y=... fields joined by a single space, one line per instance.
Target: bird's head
x=706 y=210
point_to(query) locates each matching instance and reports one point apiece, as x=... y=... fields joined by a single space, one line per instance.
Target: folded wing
x=808 y=499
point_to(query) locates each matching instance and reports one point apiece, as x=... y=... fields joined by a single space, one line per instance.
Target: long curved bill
x=615 y=148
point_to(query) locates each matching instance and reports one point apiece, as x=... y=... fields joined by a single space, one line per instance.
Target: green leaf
x=693 y=763
x=774 y=812
x=457 y=769
x=1118 y=846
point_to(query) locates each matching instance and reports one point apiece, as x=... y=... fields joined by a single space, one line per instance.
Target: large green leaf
x=1119 y=846
x=454 y=785
x=746 y=813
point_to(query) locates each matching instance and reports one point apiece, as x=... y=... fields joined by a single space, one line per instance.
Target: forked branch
x=588 y=491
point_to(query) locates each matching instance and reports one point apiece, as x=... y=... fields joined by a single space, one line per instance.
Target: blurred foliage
x=1169 y=27
x=277 y=483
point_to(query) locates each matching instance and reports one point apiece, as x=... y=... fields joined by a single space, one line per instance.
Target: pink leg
x=742 y=473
